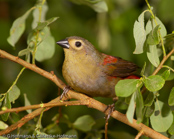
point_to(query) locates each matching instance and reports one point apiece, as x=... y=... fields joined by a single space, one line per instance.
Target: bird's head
x=77 y=45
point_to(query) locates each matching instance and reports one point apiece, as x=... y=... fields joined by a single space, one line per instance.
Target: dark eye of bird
x=78 y=44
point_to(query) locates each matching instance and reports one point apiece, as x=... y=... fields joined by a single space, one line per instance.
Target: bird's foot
x=111 y=108
x=65 y=91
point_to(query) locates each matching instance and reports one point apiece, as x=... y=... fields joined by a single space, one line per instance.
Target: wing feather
x=116 y=66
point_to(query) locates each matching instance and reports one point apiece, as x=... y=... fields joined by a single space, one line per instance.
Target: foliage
x=151 y=38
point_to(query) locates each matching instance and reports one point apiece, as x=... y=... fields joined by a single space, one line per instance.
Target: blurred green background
x=110 y=32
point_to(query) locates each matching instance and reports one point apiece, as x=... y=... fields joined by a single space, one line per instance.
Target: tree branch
x=45 y=105
x=163 y=61
x=92 y=103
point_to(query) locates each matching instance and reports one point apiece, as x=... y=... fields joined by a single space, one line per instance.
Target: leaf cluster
x=150 y=38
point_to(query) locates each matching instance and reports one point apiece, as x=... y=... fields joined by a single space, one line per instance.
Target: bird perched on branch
x=91 y=72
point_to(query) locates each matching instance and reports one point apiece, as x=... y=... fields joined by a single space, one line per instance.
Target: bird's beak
x=63 y=43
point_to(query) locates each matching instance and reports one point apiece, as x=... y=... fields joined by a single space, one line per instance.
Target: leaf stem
x=13 y=84
x=37 y=33
x=16 y=79
x=162 y=42
x=43 y=1
x=39 y=125
x=3 y=97
x=165 y=66
x=35 y=47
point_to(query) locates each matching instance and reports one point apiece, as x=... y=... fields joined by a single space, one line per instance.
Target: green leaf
x=153 y=55
x=171 y=97
x=73 y=134
x=162 y=118
x=46 y=48
x=17 y=28
x=126 y=87
x=3 y=137
x=6 y=104
x=97 y=5
x=154 y=82
x=153 y=38
x=14 y=93
x=166 y=74
x=28 y=57
x=172 y=58
x=42 y=25
x=42 y=135
x=36 y=14
x=149 y=99
x=31 y=41
x=149 y=110
x=27 y=103
x=143 y=69
x=46 y=44
x=63 y=119
x=52 y=129
x=3 y=125
x=169 y=40
x=120 y=103
x=162 y=27
x=127 y=99
x=171 y=129
x=139 y=34
x=139 y=106
x=15 y=117
x=131 y=108
x=146 y=122
x=100 y=6
x=99 y=123
x=84 y=123
x=171 y=77
x=24 y=52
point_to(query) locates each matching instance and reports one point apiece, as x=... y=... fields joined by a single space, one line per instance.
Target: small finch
x=91 y=72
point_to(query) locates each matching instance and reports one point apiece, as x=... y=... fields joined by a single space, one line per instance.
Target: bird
x=91 y=72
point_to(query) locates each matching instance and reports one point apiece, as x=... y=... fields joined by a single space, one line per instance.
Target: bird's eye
x=78 y=44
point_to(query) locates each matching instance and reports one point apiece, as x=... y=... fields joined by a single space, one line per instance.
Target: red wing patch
x=109 y=60
x=132 y=77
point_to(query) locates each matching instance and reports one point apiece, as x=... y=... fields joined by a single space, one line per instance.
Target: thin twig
x=165 y=66
x=139 y=134
x=106 y=128
x=44 y=105
x=162 y=62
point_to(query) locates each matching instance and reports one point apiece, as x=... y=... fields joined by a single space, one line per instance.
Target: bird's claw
x=111 y=109
x=65 y=91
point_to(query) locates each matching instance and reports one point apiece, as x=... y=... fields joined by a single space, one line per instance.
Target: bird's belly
x=90 y=82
